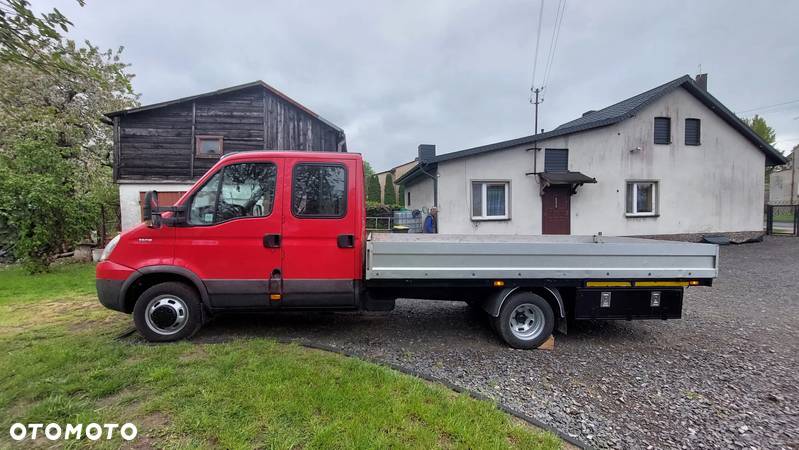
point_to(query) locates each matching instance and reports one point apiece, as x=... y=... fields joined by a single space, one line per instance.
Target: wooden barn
x=169 y=145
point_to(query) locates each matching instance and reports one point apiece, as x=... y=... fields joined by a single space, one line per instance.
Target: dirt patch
x=196 y=353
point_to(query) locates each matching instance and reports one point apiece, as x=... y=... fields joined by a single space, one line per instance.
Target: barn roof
x=628 y=108
x=240 y=87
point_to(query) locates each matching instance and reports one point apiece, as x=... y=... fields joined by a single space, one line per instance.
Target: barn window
x=642 y=198
x=692 y=132
x=662 y=130
x=209 y=146
x=490 y=200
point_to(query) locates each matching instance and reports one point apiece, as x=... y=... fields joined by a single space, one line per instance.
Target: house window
x=556 y=160
x=209 y=146
x=408 y=202
x=692 y=131
x=490 y=200
x=662 y=130
x=642 y=198
x=319 y=190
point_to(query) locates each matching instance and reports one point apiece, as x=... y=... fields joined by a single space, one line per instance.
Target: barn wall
x=158 y=144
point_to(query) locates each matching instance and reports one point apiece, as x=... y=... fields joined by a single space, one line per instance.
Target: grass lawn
x=60 y=362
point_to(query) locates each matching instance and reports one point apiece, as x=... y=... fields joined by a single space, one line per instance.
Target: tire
x=168 y=312
x=525 y=321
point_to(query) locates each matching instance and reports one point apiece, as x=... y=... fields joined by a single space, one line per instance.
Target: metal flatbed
x=441 y=256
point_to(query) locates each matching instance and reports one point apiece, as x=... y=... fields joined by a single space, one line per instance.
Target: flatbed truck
x=277 y=230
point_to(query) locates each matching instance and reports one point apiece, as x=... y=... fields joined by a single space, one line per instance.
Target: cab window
x=319 y=190
x=238 y=190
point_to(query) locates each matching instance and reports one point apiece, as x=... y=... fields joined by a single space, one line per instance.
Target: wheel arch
x=494 y=303
x=149 y=276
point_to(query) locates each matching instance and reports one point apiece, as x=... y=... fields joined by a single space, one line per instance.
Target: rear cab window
x=319 y=190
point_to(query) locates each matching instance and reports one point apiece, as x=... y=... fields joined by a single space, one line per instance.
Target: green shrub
x=389 y=191
x=373 y=189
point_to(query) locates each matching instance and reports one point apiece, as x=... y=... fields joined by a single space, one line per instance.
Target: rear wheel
x=525 y=321
x=168 y=312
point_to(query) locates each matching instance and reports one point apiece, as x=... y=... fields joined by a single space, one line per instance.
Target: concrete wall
x=129 y=199
x=780 y=186
x=717 y=186
x=421 y=191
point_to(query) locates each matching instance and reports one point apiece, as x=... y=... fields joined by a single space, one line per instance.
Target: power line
x=537 y=42
x=553 y=44
x=768 y=106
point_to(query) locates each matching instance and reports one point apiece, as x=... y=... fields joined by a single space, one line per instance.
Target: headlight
x=110 y=248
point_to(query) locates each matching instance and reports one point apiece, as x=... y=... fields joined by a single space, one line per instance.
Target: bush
x=40 y=206
x=401 y=198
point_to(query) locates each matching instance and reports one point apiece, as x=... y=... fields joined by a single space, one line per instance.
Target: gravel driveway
x=723 y=376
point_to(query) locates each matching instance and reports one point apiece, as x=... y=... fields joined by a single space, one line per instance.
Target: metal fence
x=387 y=224
x=782 y=220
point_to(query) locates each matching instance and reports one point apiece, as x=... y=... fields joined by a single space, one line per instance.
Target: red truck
x=280 y=230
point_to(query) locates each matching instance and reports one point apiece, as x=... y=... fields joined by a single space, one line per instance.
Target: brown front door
x=556 y=210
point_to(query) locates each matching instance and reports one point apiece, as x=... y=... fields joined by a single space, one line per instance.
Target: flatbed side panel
x=503 y=257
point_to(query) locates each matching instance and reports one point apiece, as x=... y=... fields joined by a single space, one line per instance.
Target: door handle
x=272 y=241
x=345 y=241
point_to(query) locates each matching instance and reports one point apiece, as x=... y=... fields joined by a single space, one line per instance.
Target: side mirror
x=151 y=212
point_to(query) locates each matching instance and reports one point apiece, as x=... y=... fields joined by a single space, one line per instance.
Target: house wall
x=780 y=186
x=159 y=143
x=421 y=191
x=715 y=187
x=396 y=172
x=130 y=199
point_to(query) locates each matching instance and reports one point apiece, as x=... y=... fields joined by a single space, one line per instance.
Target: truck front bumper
x=110 y=280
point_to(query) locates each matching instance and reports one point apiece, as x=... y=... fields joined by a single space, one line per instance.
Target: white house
x=669 y=161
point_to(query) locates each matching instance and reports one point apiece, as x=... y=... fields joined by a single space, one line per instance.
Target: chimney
x=701 y=80
x=426 y=152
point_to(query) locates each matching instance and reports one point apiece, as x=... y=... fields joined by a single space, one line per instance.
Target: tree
x=759 y=126
x=367 y=170
x=35 y=40
x=373 y=189
x=51 y=133
x=390 y=191
x=401 y=199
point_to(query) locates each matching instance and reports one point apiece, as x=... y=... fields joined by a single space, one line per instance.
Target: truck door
x=320 y=239
x=233 y=235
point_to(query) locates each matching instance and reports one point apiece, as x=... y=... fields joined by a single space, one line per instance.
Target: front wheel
x=525 y=321
x=168 y=312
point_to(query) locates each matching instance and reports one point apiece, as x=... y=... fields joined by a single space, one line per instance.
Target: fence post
x=796 y=220
x=769 y=219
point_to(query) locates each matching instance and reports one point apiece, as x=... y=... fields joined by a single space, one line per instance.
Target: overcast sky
x=452 y=73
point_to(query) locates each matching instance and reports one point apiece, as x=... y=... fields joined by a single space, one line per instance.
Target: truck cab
x=260 y=230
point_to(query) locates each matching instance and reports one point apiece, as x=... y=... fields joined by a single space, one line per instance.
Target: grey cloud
x=454 y=73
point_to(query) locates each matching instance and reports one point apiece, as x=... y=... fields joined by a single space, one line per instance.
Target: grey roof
x=257 y=83
x=626 y=109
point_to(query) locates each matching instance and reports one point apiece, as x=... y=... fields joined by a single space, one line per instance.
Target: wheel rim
x=166 y=314
x=526 y=321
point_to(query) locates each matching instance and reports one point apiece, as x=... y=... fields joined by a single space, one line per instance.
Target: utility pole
x=536 y=91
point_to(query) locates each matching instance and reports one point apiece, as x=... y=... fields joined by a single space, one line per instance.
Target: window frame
x=655 y=198
x=654 y=137
x=483 y=200
x=698 y=131
x=320 y=164
x=190 y=201
x=198 y=139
